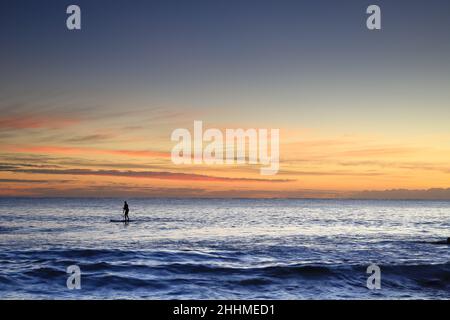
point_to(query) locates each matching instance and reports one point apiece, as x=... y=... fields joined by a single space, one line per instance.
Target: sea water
x=223 y=249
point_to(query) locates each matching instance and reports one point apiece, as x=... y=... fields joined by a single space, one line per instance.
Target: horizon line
x=223 y=198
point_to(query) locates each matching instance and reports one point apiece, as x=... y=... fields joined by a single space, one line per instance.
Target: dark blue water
x=223 y=249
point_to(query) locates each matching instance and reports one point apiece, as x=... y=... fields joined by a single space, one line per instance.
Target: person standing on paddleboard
x=125 y=212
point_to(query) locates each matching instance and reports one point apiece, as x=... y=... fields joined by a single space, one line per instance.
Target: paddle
x=122 y=218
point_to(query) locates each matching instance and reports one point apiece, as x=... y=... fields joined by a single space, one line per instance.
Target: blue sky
x=139 y=69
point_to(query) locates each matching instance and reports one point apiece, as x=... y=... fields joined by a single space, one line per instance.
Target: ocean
x=223 y=249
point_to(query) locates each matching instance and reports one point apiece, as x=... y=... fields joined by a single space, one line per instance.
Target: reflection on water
x=283 y=249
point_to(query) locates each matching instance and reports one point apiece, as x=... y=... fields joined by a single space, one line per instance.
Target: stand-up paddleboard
x=112 y=220
x=442 y=242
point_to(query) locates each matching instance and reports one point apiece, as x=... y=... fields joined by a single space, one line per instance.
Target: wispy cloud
x=330 y=173
x=90 y=138
x=32 y=181
x=140 y=174
x=85 y=151
x=34 y=122
x=374 y=152
x=119 y=191
x=404 y=194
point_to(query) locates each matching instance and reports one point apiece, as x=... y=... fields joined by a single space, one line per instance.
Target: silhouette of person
x=125 y=211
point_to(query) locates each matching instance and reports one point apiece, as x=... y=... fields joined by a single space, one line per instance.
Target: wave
x=424 y=274
x=8 y=229
x=176 y=274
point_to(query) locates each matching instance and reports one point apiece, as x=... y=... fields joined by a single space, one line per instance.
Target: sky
x=90 y=112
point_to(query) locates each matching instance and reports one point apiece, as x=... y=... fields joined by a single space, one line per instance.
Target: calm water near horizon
x=223 y=249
